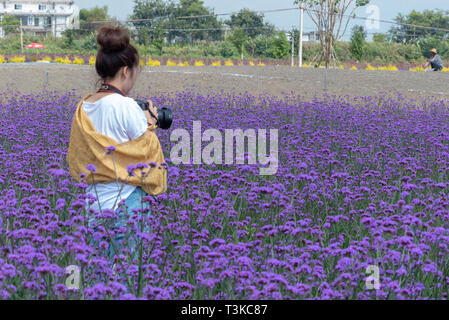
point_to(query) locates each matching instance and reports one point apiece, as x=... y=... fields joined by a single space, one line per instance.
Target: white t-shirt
x=121 y=119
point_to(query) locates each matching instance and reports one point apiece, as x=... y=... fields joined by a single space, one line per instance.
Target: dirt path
x=32 y=78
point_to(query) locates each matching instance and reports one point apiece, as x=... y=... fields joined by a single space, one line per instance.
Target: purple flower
x=110 y=149
x=141 y=166
x=131 y=169
x=164 y=165
x=152 y=164
x=91 y=168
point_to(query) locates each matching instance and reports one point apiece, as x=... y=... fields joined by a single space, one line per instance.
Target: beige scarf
x=89 y=147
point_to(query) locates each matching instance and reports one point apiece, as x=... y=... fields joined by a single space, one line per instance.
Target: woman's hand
x=151 y=120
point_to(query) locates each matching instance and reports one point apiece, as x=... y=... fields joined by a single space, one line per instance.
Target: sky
x=386 y=9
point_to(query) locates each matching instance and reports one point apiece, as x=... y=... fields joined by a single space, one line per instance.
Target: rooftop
x=37 y=1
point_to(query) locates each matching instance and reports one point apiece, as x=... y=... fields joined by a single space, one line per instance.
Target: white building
x=313 y=36
x=42 y=17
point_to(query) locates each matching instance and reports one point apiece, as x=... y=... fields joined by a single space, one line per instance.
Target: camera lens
x=165 y=118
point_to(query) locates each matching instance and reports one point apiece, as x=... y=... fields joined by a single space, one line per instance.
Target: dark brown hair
x=115 y=52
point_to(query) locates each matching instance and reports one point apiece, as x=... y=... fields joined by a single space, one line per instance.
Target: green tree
x=150 y=17
x=329 y=17
x=68 y=37
x=9 y=24
x=159 y=38
x=426 y=44
x=90 y=19
x=427 y=18
x=280 y=46
x=379 y=37
x=263 y=44
x=251 y=22
x=204 y=25
x=238 y=39
x=358 y=42
x=173 y=18
x=89 y=42
x=228 y=50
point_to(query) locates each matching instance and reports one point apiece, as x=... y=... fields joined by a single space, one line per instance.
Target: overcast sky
x=288 y=19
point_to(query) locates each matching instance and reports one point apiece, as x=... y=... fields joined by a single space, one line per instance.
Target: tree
x=358 y=42
x=280 y=46
x=174 y=19
x=228 y=50
x=154 y=16
x=428 y=43
x=238 y=39
x=68 y=36
x=9 y=24
x=159 y=38
x=251 y=22
x=204 y=25
x=90 y=19
x=329 y=18
x=379 y=37
x=406 y=33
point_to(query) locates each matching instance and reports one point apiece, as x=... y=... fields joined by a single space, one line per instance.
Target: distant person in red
x=435 y=62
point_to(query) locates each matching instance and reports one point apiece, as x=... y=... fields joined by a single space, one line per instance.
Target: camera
x=165 y=116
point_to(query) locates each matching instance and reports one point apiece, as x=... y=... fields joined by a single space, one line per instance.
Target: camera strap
x=107 y=87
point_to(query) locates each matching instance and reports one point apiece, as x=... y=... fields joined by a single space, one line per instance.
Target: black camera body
x=165 y=116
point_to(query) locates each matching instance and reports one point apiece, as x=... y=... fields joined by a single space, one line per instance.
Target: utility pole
x=293 y=47
x=301 y=27
x=21 y=35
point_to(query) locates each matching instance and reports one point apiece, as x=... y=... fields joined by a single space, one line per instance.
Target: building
x=42 y=17
x=313 y=36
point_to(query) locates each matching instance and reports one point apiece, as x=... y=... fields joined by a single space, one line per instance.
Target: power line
x=195 y=17
x=231 y=13
x=386 y=21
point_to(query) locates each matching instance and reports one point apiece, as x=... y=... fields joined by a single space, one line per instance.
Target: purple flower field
x=361 y=181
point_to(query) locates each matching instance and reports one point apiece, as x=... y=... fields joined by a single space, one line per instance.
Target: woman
x=110 y=116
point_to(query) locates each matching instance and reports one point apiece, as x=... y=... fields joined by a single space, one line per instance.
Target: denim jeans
x=132 y=202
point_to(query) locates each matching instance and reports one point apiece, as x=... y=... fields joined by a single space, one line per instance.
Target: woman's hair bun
x=112 y=39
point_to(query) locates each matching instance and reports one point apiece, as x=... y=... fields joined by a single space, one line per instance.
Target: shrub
x=153 y=63
x=418 y=68
x=171 y=63
x=89 y=43
x=358 y=42
x=228 y=50
x=78 y=60
x=17 y=59
x=92 y=60
x=280 y=46
x=65 y=60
